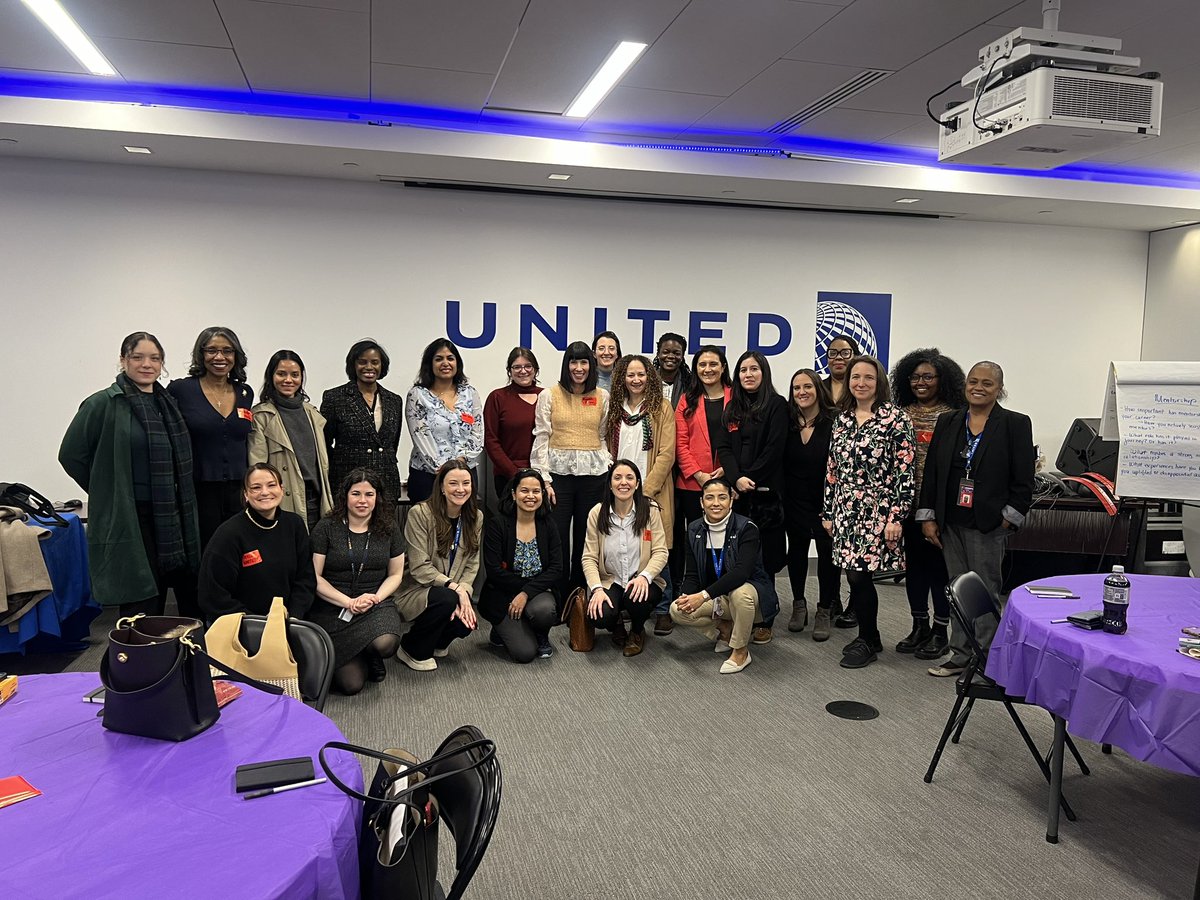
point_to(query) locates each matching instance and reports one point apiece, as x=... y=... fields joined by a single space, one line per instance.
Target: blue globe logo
x=834 y=318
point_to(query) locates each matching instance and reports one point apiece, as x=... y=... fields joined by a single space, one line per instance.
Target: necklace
x=263 y=527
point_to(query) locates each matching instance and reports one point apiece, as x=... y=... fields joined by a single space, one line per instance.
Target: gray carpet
x=655 y=777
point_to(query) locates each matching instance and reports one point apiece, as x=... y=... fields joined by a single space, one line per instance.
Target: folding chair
x=311 y=647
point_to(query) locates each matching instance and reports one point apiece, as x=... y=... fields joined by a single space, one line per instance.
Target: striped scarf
x=642 y=416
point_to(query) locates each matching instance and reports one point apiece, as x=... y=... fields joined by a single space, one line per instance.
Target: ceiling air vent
x=859 y=82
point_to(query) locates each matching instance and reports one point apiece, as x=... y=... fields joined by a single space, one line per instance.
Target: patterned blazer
x=352 y=440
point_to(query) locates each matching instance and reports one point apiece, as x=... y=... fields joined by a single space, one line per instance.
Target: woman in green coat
x=128 y=447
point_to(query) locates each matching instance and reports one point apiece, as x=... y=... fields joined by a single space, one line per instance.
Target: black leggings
x=638 y=612
x=216 y=501
x=574 y=497
x=829 y=577
x=865 y=601
x=925 y=574
x=521 y=636
x=350 y=678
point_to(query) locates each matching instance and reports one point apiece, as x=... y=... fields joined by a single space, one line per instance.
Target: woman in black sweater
x=258 y=554
x=751 y=454
x=522 y=555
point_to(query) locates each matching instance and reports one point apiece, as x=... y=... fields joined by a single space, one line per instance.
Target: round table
x=132 y=817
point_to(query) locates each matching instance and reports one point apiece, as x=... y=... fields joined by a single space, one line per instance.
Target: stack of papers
x=1051 y=591
x=15 y=789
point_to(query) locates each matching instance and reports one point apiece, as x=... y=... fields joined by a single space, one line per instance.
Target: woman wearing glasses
x=508 y=418
x=842 y=349
x=926 y=384
x=215 y=402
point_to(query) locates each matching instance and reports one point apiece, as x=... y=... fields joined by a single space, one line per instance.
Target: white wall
x=1172 y=329
x=90 y=253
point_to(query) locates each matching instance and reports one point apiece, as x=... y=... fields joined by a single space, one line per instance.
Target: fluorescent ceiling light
x=622 y=57
x=909 y=200
x=558 y=177
x=138 y=150
x=70 y=35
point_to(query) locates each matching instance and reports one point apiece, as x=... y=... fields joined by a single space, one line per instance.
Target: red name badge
x=924 y=437
x=647 y=536
x=733 y=426
x=589 y=401
x=253 y=558
x=468 y=418
x=244 y=413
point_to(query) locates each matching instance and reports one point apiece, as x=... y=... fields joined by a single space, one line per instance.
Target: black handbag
x=157 y=678
x=407 y=868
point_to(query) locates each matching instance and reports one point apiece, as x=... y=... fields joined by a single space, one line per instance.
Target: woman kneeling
x=723 y=554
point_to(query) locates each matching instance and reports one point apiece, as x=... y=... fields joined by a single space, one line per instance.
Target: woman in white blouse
x=445 y=418
x=625 y=552
x=569 y=452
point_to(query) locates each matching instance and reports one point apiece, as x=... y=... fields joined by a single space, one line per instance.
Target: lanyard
x=354 y=574
x=454 y=546
x=968 y=452
x=718 y=560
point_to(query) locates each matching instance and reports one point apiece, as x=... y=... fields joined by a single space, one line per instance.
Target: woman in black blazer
x=522 y=555
x=363 y=419
x=976 y=488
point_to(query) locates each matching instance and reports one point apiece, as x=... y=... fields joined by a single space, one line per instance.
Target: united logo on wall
x=865 y=317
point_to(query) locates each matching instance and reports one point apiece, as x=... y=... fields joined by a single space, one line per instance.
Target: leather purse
x=582 y=630
x=272 y=663
x=157 y=680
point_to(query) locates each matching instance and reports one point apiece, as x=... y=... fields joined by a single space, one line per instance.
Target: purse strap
x=405 y=767
x=234 y=675
x=575 y=596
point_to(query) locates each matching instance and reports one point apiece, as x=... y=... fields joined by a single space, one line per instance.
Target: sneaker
x=846 y=620
x=858 y=654
x=916 y=638
x=544 y=650
x=417 y=665
x=947 y=669
x=663 y=625
x=820 y=630
x=935 y=647
x=799 y=617
x=761 y=635
x=376 y=670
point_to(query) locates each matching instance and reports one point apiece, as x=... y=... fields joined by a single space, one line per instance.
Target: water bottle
x=1116 y=601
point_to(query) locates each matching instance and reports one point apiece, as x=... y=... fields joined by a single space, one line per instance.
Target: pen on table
x=284 y=787
x=1059 y=621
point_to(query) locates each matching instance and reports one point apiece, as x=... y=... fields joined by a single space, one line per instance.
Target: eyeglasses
x=924 y=378
x=841 y=354
x=520 y=368
x=219 y=351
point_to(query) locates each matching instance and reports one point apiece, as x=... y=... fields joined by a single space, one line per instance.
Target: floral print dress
x=869 y=483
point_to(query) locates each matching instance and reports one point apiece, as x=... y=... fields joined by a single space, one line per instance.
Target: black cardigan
x=503 y=583
x=755 y=449
x=1002 y=469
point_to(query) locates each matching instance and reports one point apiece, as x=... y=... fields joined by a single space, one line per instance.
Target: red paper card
x=14 y=789
x=226 y=692
x=253 y=558
x=244 y=413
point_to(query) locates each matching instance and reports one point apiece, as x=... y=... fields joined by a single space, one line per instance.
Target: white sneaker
x=417 y=665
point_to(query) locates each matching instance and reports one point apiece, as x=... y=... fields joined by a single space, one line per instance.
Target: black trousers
x=520 y=636
x=574 y=497
x=638 y=612
x=687 y=510
x=829 y=577
x=864 y=599
x=434 y=629
x=216 y=501
x=925 y=574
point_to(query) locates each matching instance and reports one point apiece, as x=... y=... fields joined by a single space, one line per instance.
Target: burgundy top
x=508 y=428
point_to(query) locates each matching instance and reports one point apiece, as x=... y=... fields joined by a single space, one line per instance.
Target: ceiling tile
x=922 y=133
x=784 y=88
x=300 y=50
x=463 y=35
x=1107 y=18
x=359 y=6
x=663 y=111
x=715 y=47
x=856 y=125
x=560 y=45
x=172 y=21
x=438 y=89
x=26 y=44
x=174 y=65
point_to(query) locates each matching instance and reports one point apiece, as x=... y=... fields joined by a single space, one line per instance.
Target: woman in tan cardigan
x=623 y=555
x=442 y=537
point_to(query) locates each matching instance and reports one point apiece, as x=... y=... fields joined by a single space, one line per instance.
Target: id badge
x=966 y=493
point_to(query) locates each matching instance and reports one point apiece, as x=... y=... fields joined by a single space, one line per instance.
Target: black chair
x=310 y=645
x=468 y=799
x=971 y=600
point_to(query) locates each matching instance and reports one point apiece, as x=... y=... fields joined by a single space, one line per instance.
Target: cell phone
x=345 y=615
x=96 y=696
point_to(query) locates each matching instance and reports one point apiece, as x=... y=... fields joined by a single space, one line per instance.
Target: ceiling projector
x=1044 y=97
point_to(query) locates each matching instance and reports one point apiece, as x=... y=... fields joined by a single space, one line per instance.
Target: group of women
x=676 y=493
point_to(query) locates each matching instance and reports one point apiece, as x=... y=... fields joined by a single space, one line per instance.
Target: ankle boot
x=799 y=617
x=820 y=630
x=919 y=635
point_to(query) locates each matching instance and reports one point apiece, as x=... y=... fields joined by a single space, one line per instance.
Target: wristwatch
x=706 y=595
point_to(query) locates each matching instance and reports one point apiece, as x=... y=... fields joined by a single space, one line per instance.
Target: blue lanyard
x=968 y=452
x=454 y=546
x=718 y=560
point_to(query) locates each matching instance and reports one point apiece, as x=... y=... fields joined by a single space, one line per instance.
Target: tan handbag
x=273 y=663
x=582 y=629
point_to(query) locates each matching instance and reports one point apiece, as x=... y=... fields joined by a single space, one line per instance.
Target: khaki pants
x=739 y=606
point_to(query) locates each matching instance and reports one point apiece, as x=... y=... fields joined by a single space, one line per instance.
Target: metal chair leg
x=1037 y=756
x=937 y=754
x=963 y=721
x=1083 y=767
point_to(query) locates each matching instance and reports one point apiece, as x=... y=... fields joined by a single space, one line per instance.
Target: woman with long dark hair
x=868 y=493
x=606 y=347
x=806 y=458
x=522 y=557
x=128 y=447
x=570 y=454
x=442 y=539
x=444 y=416
x=842 y=349
x=508 y=418
x=625 y=553
x=358 y=557
x=363 y=419
x=289 y=433
x=751 y=453
x=216 y=403
x=926 y=384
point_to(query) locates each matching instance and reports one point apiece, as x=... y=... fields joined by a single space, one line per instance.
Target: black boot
x=920 y=633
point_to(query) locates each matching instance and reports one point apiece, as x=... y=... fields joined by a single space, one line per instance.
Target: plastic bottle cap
x=1120 y=569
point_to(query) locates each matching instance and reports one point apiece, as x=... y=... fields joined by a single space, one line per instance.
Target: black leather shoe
x=935 y=648
x=846 y=620
x=858 y=654
x=921 y=632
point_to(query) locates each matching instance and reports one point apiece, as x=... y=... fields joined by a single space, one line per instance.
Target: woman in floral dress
x=868 y=494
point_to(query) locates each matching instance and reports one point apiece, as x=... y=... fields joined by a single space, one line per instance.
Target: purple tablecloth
x=1134 y=691
x=123 y=816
